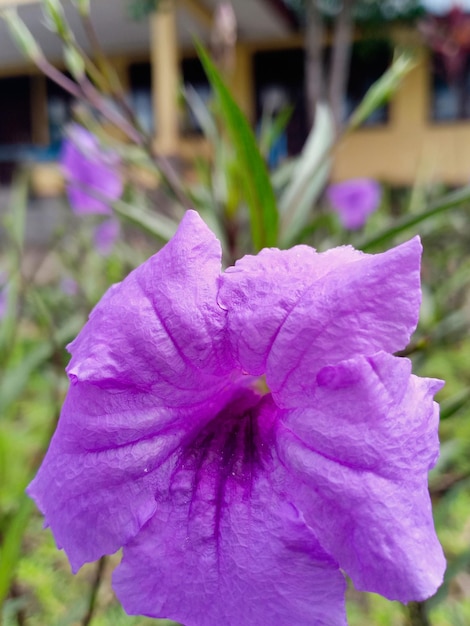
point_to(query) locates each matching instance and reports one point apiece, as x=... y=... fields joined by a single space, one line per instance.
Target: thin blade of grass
x=449 y=201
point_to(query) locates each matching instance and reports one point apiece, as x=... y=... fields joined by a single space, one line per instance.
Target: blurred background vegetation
x=299 y=96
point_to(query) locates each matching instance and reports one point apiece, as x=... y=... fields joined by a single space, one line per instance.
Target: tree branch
x=314 y=75
x=340 y=60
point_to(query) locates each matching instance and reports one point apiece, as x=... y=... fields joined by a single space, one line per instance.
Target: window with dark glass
x=194 y=78
x=15 y=123
x=279 y=83
x=59 y=114
x=140 y=78
x=370 y=58
x=450 y=93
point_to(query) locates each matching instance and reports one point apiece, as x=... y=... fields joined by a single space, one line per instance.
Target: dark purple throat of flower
x=225 y=456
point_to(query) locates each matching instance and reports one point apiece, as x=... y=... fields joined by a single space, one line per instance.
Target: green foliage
x=254 y=179
x=440 y=205
x=367 y=12
x=382 y=90
x=41 y=319
x=140 y=9
x=308 y=179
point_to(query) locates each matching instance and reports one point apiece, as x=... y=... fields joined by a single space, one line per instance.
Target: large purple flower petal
x=96 y=487
x=93 y=177
x=363 y=451
x=161 y=329
x=232 y=548
x=292 y=312
x=145 y=371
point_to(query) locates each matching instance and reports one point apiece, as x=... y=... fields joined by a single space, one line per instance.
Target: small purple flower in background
x=3 y=294
x=69 y=286
x=354 y=200
x=248 y=436
x=3 y=302
x=90 y=170
x=105 y=236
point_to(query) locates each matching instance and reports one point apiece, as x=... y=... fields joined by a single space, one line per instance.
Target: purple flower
x=93 y=178
x=3 y=294
x=3 y=302
x=69 y=286
x=354 y=200
x=105 y=236
x=247 y=436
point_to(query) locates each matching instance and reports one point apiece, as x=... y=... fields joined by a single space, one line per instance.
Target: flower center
x=220 y=465
x=229 y=444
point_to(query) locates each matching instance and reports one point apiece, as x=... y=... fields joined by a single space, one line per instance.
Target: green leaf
x=256 y=183
x=458 y=564
x=155 y=224
x=456 y=198
x=308 y=179
x=11 y=545
x=272 y=129
x=283 y=174
x=141 y=9
x=16 y=221
x=15 y=379
x=21 y=35
x=382 y=90
x=202 y=114
x=452 y=405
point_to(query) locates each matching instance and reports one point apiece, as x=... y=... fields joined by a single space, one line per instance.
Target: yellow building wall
x=411 y=144
x=242 y=82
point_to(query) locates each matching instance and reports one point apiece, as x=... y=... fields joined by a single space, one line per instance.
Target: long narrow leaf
x=15 y=379
x=14 y=223
x=155 y=224
x=201 y=113
x=458 y=564
x=19 y=204
x=452 y=405
x=461 y=196
x=11 y=545
x=272 y=129
x=309 y=177
x=257 y=185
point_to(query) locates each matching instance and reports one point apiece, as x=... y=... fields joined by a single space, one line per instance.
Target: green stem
x=450 y=200
x=417 y=614
x=94 y=592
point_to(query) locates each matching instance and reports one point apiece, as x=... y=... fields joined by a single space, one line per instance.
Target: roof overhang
x=257 y=20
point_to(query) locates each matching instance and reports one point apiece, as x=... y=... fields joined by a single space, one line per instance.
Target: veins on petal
x=218 y=466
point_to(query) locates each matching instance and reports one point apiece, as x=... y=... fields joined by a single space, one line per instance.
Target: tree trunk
x=340 y=60
x=314 y=75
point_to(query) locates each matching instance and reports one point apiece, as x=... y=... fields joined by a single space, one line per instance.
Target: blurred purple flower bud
x=105 y=236
x=226 y=23
x=354 y=200
x=224 y=35
x=69 y=286
x=3 y=302
x=93 y=177
x=3 y=294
